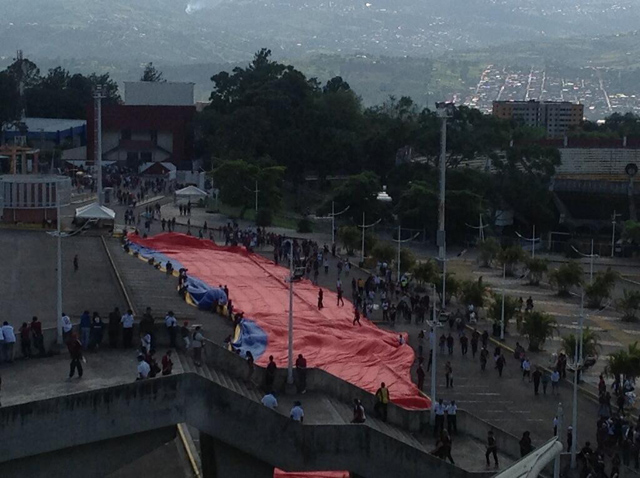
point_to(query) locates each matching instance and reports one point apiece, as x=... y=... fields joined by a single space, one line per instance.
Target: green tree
x=359 y=192
x=537 y=268
x=474 y=292
x=511 y=307
x=407 y=260
x=152 y=74
x=452 y=287
x=384 y=252
x=624 y=363
x=629 y=303
x=510 y=257
x=488 y=250
x=601 y=288
x=9 y=100
x=538 y=327
x=590 y=344
x=350 y=237
x=426 y=272
x=566 y=276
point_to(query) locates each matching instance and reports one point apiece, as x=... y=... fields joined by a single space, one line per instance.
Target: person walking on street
x=320 y=298
x=464 y=344
x=452 y=417
x=500 y=363
x=439 y=410
x=443 y=447
x=448 y=374
x=537 y=375
x=356 y=316
x=171 y=323
x=475 y=337
x=197 y=344
x=301 y=374
x=450 y=343
x=127 y=329
x=382 y=402
x=545 y=382
x=484 y=354
x=67 y=327
x=9 y=342
x=167 y=363
x=525 y=444
x=340 y=299
x=75 y=351
x=85 y=329
x=492 y=449
x=526 y=369
x=555 y=381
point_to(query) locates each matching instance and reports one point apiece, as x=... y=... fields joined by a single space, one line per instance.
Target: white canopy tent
x=191 y=192
x=95 y=211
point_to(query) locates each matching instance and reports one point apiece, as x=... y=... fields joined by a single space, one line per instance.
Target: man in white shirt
x=440 y=410
x=127 y=328
x=297 y=414
x=171 y=323
x=67 y=326
x=9 y=342
x=270 y=401
x=143 y=368
x=452 y=417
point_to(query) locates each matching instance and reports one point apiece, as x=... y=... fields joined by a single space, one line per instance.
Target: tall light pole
x=556 y=464
x=504 y=279
x=590 y=256
x=364 y=227
x=290 y=362
x=97 y=97
x=445 y=110
x=480 y=227
x=532 y=240
x=434 y=324
x=614 y=218
x=577 y=360
x=255 y=191
x=59 y=264
x=400 y=241
x=333 y=220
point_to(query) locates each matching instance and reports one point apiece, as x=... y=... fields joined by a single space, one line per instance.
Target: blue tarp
x=252 y=339
x=204 y=295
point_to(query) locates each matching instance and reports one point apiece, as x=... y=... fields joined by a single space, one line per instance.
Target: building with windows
x=157 y=127
x=555 y=117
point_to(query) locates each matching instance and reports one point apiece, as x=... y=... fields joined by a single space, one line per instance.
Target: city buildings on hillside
x=555 y=117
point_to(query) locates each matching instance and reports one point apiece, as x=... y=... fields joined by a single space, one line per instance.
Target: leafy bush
x=452 y=287
x=488 y=250
x=624 y=363
x=472 y=292
x=511 y=307
x=537 y=268
x=566 y=276
x=538 y=327
x=426 y=272
x=601 y=288
x=407 y=260
x=510 y=257
x=350 y=237
x=630 y=303
x=384 y=252
x=590 y=344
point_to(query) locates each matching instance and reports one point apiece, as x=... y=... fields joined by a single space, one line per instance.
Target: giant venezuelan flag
x=362 y=355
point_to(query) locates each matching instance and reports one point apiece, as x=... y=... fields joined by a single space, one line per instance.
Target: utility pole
x=480 y=229
x=556 y=464
x=255 y=191
x=445 y=110
x=400 y=241
x=59 y=268
x=290 y=361
x=97 y=160
x=364 y=227
x=333 y=220
x=434 y=354
x=532 y=240
x=504 y=279
x=577 y=357
x=613 y=232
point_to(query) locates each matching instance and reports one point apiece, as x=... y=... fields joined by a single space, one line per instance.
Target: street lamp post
x=434 y=324
x=98 y=96
x=444 y=110
x=556 y=464
x=590 y=256
x=59 y=265
x=613 y=231
x=290 y=363
x=577 y=363
x=333 y=220
x=255 y=191
x=532 y=240
x=364 y=227
x=504 y=279
x=400 y=241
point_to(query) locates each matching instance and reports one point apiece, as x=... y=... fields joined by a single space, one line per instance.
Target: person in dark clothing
x=450 y=344
x=464 y=344
x=537 y=375
x=114 y=327
x=500 y=362
x=270 y=376
x=525 y=444
x=356 y=316
x=443 y=447
x=485 y=338
x=475 y=336
x=484 y=353
x=492 y=449
x=147 y=326
x=75 y=351
x=301 y=374
x=320 y=298
x=36 y=334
